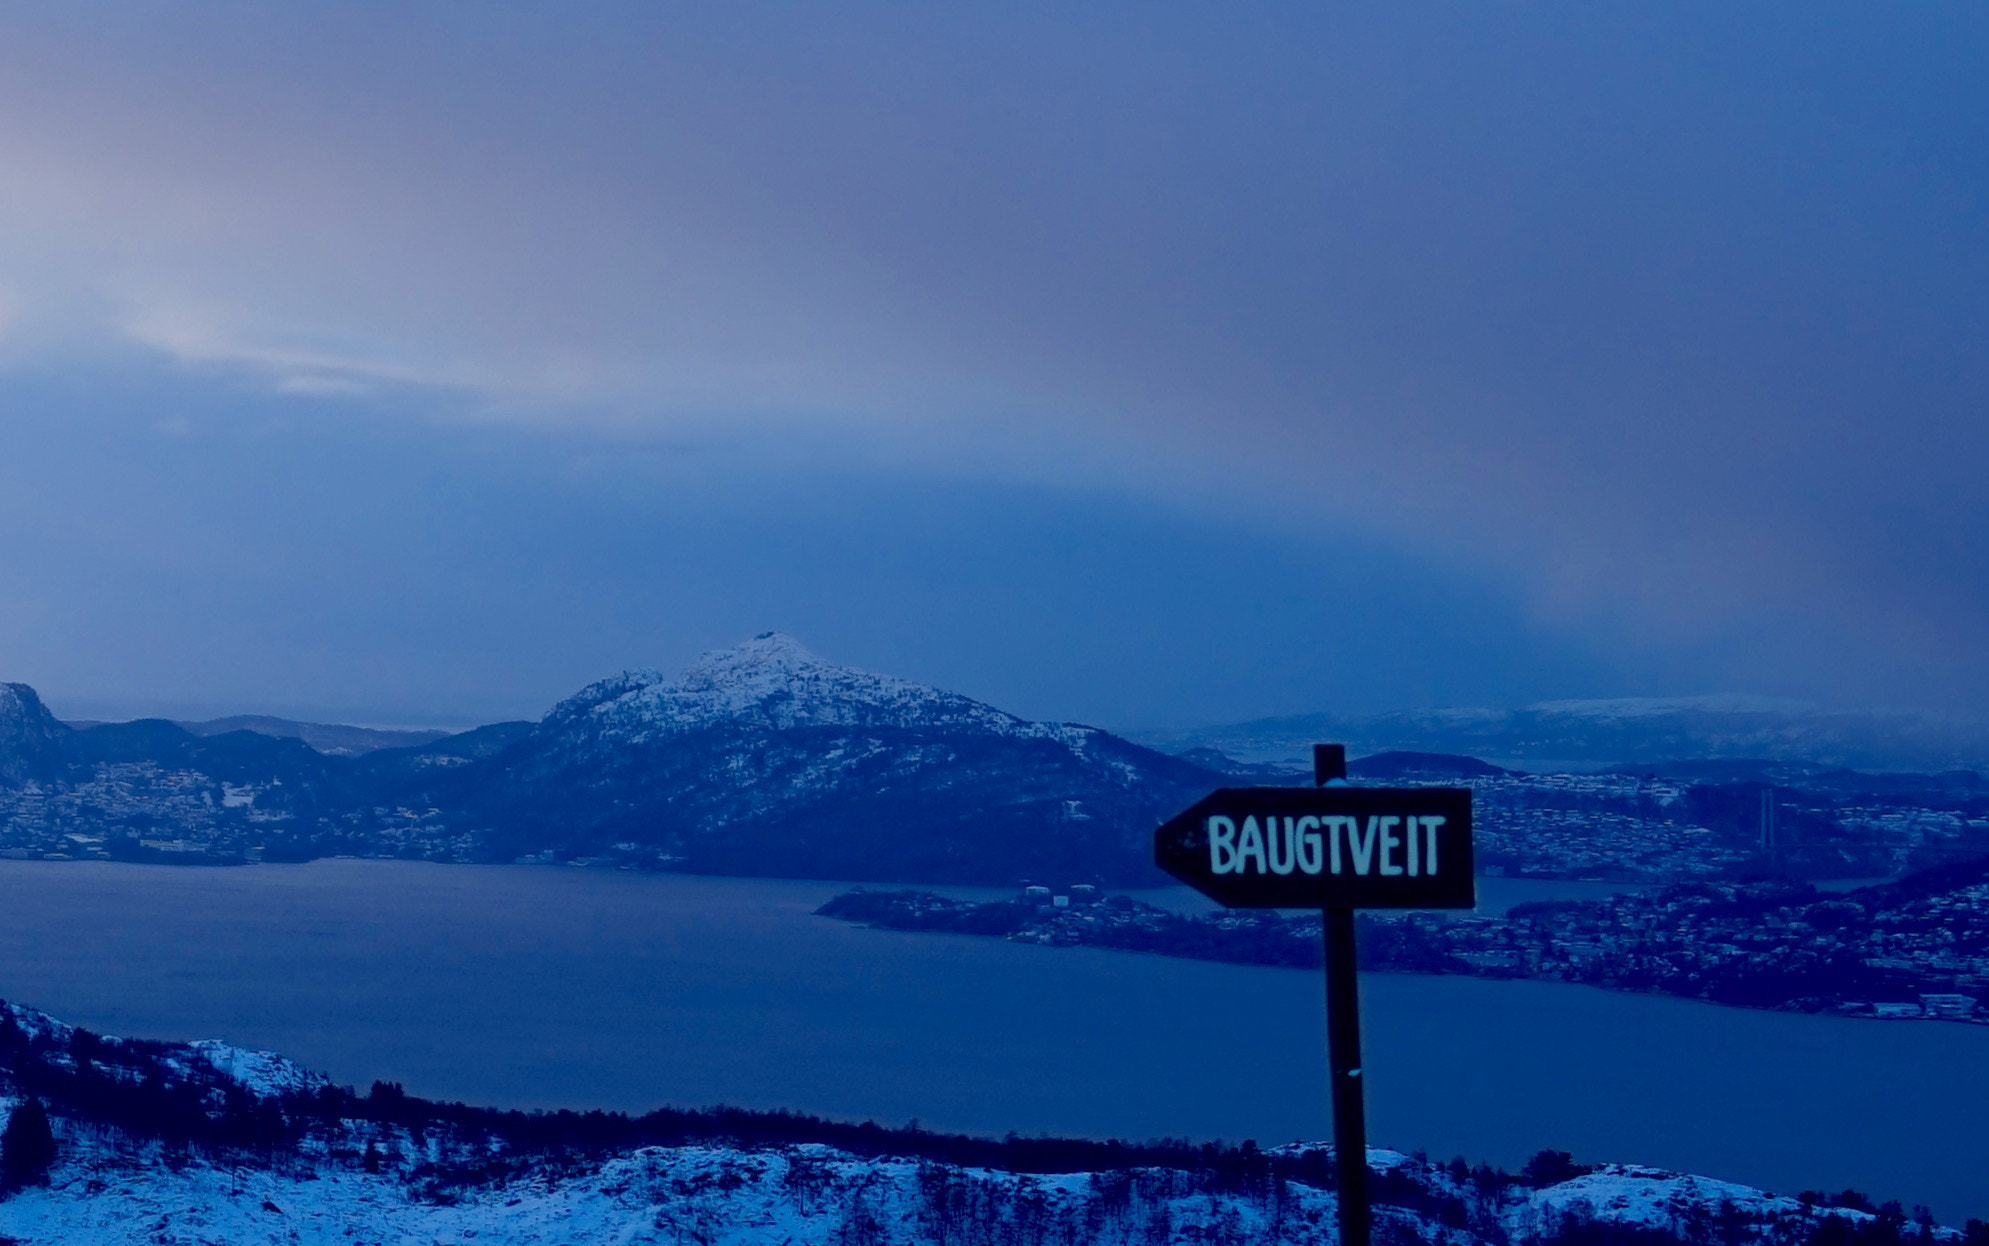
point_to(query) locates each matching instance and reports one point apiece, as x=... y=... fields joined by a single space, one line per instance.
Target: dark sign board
x=1324 y=847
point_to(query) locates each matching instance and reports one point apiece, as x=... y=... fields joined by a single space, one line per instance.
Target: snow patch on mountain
x=28 y=733
x=263 y=1074
x=38 y=1024
x=772 y=682
x=1650 y=1197
x=15 y=700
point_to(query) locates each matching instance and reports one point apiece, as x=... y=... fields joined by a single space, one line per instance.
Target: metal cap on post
x=1329 y=764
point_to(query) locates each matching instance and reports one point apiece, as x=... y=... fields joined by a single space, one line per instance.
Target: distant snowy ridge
x=1594 y=733
x=1657 y=707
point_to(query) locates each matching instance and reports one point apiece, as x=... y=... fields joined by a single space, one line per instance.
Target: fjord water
x=549 y=987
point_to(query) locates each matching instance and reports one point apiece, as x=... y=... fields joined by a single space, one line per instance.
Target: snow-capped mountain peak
x=773 y=682
x=766 y=758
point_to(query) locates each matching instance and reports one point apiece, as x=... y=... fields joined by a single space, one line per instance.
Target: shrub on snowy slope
x=27 y=1147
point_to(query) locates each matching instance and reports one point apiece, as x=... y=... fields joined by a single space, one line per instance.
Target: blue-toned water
x=546 y=986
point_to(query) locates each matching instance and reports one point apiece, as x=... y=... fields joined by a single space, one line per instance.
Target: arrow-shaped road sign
x=1324 y=847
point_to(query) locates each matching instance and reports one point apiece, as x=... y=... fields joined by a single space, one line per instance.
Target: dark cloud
x=170 y=547
x=1666 y=322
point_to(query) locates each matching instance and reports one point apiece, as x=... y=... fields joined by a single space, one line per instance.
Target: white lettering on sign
x=1390 y=841
x=1222 y=844
x=1362 y=849
x=1249 y=843
x=1387 y=845
x=1281 y=861
x=1311 y=849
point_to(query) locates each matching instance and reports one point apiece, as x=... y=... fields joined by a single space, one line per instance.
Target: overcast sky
x=1141 y=365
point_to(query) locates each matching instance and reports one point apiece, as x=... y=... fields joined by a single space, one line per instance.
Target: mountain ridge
x=765 y=759
x=1606 y=732
x=762 y=759
x=775 y=682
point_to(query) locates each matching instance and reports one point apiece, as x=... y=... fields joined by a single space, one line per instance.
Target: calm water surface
x=532 y=986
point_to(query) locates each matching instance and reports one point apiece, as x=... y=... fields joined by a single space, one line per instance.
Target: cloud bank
x=1670 y=320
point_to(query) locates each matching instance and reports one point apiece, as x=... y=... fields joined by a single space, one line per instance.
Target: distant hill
x=1248 y=771
x=1588 y=735
x=1401 y=765
x=336 y=739
x=332 y=739
x=765 y=759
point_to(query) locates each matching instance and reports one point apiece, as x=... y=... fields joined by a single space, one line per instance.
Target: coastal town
x=1915 y=949
x=1632 y=828
x=1683 y=823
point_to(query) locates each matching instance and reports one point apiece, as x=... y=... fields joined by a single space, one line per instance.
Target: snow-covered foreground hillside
x=814 y=1194
x=205 y=1143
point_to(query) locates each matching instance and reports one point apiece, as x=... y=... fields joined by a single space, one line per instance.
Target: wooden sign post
x=1335 y=848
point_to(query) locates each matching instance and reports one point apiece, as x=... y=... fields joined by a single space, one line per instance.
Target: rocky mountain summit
x=29 y=735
